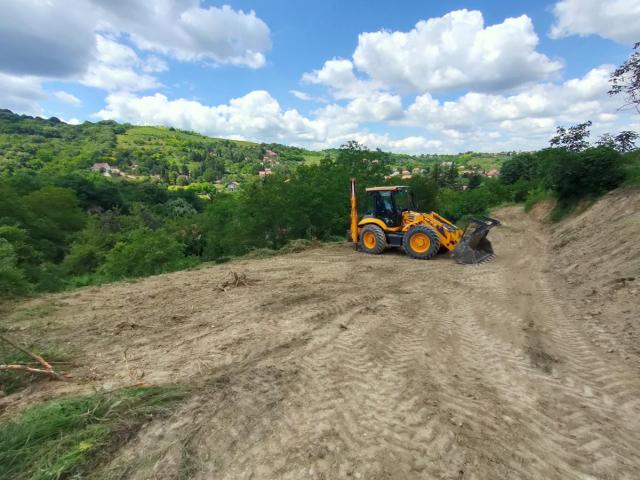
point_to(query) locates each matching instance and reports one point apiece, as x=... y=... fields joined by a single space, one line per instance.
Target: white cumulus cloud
x=21 y=93
x=186 y=30
x=256 y=115
x=617 y=20
x=118 y=67
x=448 y=53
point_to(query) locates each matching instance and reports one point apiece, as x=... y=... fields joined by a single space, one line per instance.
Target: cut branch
x=24 y=368
x=37 y=358
x=46 y=369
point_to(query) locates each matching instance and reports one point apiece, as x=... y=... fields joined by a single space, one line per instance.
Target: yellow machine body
x=448 y=234
x=420 y=235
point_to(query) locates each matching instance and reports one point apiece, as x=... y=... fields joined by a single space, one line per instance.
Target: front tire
x=372 y=239
x=421 y=242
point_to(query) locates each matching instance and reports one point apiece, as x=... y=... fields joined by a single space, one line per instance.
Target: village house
x=264 y=173
x=103 y=168
x=493 y=173
x=232 y=186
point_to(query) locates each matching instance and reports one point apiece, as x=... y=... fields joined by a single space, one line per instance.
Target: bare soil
x=333 y=364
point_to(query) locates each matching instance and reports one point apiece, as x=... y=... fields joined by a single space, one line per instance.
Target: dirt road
x=335 y=364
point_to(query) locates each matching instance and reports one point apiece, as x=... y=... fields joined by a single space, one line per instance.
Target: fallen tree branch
x=24 y=368
x=37 y=358
x=46 y=369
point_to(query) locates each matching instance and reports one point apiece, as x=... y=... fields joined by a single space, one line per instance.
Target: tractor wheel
x=372 y=239
x=420 y=242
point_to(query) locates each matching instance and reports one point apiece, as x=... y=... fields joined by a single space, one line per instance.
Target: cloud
x=540 y=105
x=49 y=39
x=338 y=75
x=118 y=67
x=256 y=115
x=186 y=31
x=474 y=121
x=56 y=38
x=411 y=144
x=21 y=93
x=446 y=53
x=523 y=120
x=67 y=98
x=617 y=20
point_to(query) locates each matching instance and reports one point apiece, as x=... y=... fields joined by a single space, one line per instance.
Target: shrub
x=146 y=252
x=12 y=278
x=586 y=174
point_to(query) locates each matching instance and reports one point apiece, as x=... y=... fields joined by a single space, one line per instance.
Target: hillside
x=164 y=154
x=330 y=363
x=169 y=155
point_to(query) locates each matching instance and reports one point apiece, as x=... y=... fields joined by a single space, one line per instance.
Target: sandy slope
x=336 y=364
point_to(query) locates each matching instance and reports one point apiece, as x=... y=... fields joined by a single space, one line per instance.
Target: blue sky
x=412 y=76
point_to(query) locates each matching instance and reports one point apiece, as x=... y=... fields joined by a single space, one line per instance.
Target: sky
x=405 y=76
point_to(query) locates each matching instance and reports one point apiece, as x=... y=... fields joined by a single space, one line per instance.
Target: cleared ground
x=336 y=364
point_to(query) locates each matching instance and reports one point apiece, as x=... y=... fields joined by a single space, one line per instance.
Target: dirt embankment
x=597 y=255
x=335 y=364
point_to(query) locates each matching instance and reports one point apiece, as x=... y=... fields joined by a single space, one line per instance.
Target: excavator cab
x=391 y=221
x=388 y=205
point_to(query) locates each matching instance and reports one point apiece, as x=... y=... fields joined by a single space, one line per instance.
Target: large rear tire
x=420 y=242
x=372 y=239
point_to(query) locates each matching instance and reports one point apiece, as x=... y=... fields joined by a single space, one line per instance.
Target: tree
x=606 y=140
x=625 y=141
x=474 y=181
x=12 y=278
x=573 y=138
x=625 y=80
x=590 y=173
x=522 y=166
x=145 y=252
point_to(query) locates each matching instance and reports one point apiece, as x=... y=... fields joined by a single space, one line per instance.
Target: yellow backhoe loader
x=391 y=221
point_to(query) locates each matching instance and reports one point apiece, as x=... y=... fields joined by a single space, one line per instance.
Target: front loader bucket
x=475 y=247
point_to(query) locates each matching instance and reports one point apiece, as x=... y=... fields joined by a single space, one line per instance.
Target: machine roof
x=393 y=188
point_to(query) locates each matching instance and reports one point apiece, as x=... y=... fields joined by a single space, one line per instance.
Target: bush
x=146 y=252
x=586 y=174
x=519 y=167
x=12 y=278
x=535 y=196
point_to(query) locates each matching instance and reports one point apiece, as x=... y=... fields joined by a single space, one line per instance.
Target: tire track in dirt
x=407 y=370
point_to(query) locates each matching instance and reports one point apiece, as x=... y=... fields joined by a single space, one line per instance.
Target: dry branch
x=236 y=280
x=24 y=368
x=46 y=369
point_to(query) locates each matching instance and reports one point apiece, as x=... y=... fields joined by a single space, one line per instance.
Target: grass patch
x=41 y=310
x=536 y=196
x=68 y=437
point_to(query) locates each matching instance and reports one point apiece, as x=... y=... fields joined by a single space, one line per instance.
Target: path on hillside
x=334 y=364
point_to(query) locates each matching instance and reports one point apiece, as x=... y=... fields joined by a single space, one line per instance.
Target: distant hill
x=169 y=155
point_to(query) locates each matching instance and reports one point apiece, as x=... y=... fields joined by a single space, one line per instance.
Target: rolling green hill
x=168 y=155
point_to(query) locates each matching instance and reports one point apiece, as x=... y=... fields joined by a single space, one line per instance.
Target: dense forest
x=64 y=224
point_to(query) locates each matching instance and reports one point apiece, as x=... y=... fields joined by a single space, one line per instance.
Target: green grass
x=68 y=437
x=536 y=196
